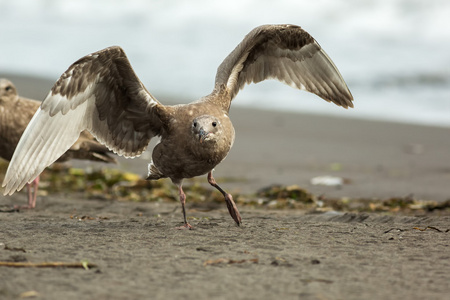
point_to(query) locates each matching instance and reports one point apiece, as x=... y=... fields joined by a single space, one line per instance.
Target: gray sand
x=274 y=255
x=277 y=253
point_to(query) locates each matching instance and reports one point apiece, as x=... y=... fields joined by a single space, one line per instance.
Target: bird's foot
x=232 y=209
x=19 y=207
x=185 y=226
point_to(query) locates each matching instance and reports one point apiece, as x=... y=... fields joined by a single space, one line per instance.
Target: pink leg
x=232 y=208
x=30 y=194
x=183 y=202
x=32 y=189
x=36 y=185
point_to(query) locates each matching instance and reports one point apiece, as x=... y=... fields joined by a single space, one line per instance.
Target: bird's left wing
x=99 y=93
x=287 y=53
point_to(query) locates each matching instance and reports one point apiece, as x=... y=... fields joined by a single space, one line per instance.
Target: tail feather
x=154 y=173
x=104 y=157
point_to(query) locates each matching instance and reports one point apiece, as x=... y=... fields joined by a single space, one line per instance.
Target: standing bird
x=15 y=114
x=101 y=93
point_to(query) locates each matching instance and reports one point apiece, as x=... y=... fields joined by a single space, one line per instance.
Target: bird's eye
x=195 y=124
x=8 y=88
x=214 y=124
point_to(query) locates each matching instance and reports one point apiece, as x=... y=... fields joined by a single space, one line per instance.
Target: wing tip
x=348 y=102
x=10 y=186
x=8 y=191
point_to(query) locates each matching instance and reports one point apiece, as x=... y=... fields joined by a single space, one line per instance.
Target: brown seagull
x=15 y=114
x=102 y=94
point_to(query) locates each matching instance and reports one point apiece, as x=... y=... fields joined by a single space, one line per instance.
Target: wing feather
x=286 y=53
x=99 y=93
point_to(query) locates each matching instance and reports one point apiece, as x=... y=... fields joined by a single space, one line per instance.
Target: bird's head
x=7 y=90
x=206 y=128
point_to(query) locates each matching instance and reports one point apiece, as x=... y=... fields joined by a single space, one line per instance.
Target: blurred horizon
x=393 y=54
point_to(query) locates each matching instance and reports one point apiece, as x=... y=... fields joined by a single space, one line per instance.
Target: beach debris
x=395 y=205
x=328 y=180
x=14 y=249
x=82 y=264
x=399 y=203
x=278 y=196
x=29 y=294
x=85 y=264
x=9 y=210
x=279 y=261
x=114 y=184
x=203 y=249
x=431 y=227
x=86 y=217
x=125 y=186
x=17 y=258
x=432 y=206
x=82 y=218
x=420 y=229
x=321 y=280
x=229 y=261
x=392 y=229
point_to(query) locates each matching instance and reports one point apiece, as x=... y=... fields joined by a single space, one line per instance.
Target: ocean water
x=393 y=54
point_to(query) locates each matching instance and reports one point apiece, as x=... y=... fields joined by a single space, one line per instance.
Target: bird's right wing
x=100 y=93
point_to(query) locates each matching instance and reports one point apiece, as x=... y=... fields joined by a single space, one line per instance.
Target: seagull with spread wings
x=101 y=93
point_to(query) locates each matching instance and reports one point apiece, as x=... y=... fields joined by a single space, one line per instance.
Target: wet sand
x=281 y=254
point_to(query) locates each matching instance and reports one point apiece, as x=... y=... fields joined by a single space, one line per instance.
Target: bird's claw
x=185 y=226
x=232 y=209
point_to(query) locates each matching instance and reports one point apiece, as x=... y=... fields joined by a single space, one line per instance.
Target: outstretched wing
x=100 y=93
x=287 y=53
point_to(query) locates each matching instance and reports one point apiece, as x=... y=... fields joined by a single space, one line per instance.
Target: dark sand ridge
x=276 y=254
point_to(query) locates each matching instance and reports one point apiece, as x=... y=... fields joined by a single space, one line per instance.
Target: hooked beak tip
x=202 y=135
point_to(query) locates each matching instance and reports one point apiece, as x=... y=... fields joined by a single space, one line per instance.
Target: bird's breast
x=185 y=157
x=181 y=153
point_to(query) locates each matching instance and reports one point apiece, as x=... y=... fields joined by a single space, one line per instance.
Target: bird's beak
x=202 y=135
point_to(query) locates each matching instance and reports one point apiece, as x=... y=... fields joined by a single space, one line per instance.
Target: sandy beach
x=283 y=254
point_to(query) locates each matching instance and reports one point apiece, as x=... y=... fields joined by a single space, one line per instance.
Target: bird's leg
x=36 y=184
x=30 y=194
x=232 y=208
x=32 y=189
x=183 y=202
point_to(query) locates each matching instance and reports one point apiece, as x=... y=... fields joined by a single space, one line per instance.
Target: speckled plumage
x=101 y=93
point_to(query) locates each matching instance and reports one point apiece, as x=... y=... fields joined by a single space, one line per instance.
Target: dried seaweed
x=229 y=261
x=126 y=186
x=82 y=264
